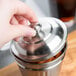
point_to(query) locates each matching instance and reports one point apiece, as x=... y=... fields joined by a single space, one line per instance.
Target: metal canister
x=42 y=54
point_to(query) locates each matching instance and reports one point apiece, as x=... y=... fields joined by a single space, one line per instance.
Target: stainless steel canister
x=42 y=54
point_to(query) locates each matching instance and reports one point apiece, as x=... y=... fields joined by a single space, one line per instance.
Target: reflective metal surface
x=42 y=54
x=50 y=68
x=49 y=40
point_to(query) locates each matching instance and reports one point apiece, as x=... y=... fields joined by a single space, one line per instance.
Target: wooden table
x=68 y=65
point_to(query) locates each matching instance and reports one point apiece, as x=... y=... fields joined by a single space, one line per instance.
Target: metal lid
x=49 y=40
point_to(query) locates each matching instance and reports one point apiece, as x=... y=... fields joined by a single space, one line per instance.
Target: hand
x=14 y=17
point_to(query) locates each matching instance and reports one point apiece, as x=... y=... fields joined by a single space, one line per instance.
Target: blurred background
x=61 y=9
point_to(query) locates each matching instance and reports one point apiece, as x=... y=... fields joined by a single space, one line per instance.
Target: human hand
x=14 y=17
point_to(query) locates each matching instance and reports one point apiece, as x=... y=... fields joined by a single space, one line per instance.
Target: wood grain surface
x=68 y=65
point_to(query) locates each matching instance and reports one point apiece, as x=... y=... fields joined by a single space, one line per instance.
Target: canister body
x=51 y=68
x=50 y=72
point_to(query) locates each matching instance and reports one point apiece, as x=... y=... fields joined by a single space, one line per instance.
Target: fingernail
x=31 y=32
x=34 y=20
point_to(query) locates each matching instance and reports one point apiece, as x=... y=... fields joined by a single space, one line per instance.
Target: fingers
x=24 y=21
x=24 y=10
x=18 y=20
x=18 y=31
x=21 y=20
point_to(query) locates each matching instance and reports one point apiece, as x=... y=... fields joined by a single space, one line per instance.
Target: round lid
x=49 y=40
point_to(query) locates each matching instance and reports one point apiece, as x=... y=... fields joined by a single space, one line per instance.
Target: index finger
x=24 y=10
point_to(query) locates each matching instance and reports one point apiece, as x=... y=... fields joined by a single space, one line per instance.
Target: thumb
x=21 y=30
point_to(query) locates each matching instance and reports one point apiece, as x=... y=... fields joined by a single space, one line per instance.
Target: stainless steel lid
x=49 y=40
